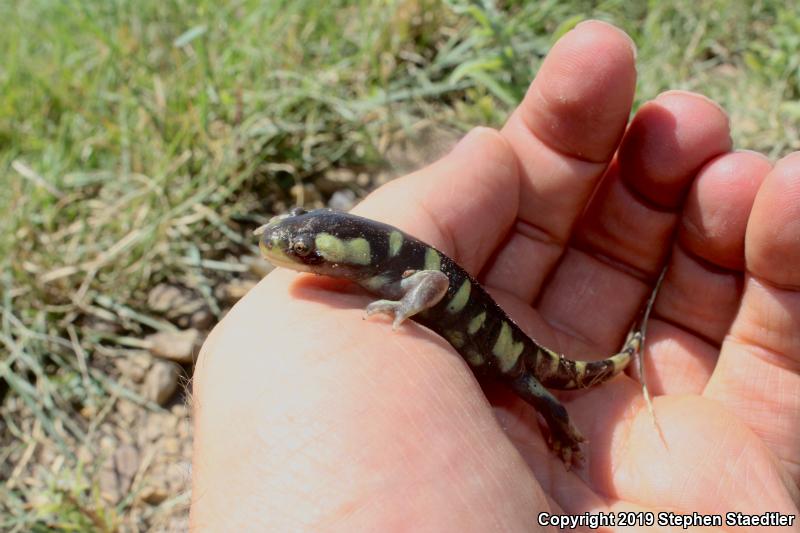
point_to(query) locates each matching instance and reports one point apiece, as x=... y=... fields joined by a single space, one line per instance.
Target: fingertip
x=668 y=141
x=790 y=159
x=679 y=97
x=603 y=26
x=585 y=85
x=715 y=217
x=772 y=245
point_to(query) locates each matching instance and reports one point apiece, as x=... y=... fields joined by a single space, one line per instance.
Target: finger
x=462 y=204
x=622 y=240
x=700 y=447
x=758 y=373
x=634 y=212
x=702 y=291
x=703 y=459
x=564 y=133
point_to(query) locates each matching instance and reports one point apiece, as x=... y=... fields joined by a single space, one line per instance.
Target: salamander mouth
x=275 y=255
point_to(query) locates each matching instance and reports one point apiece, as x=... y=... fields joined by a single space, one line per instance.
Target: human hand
x=309 y=416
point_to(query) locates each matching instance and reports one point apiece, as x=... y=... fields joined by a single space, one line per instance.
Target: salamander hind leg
x=564 y=437
x=421 y=290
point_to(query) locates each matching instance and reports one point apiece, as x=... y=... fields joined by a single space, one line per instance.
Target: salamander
x=415 y=280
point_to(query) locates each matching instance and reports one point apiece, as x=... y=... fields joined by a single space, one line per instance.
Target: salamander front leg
x=564 y=437
x=421 y=290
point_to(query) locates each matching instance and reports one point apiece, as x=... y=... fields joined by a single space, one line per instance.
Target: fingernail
x=618 y=30
x=753 y=152
x=681 y=92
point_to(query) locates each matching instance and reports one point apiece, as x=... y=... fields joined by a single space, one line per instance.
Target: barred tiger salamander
x=415 y=280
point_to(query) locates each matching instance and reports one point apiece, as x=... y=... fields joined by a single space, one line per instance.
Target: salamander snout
x=322 y=241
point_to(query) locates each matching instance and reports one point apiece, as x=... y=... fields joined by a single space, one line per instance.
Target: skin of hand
x=309 y=417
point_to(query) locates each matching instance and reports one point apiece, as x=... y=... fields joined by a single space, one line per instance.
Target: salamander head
x=323 y=241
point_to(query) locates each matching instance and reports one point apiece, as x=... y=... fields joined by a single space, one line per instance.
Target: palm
x=354 y=425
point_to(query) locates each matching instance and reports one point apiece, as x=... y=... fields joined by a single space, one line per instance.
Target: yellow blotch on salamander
x=476 y=323
x=580 y=370
x=474 y=358
x=375 y=283
x=455 y=337
x=553 y=360
x=460 y=298
x=432 y=259
x=354 y=251
x=395 y=243
x=505 y=349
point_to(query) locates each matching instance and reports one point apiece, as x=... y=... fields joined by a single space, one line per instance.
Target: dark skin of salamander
x=416 y=281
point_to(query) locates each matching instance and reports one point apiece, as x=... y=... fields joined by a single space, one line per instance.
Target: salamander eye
x=297 y=211
x=301 y=248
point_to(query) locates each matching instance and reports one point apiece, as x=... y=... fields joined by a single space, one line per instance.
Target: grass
x=140 y=142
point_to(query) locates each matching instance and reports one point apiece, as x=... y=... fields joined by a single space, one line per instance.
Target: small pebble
x=343 y=199
x=178 y=346
x=161 y=382
x=233 y=290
